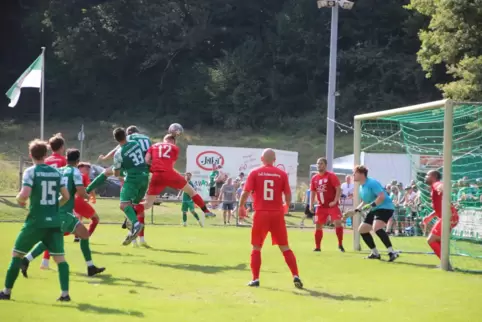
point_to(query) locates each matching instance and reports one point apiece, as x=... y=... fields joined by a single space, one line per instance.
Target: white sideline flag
x=32 y=77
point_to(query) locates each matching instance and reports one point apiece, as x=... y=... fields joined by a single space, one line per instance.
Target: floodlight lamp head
x=345 y=4
x=326 y=3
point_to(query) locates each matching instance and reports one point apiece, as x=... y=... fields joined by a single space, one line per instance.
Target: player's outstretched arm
x=23 y=195
x=109 y=155
x=148 y=157
x=64 y=196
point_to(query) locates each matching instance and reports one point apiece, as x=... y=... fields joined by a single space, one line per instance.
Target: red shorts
x=322 y=214
x=437 y=228
x=161 y=180
x=82 y=208
x=265 y=222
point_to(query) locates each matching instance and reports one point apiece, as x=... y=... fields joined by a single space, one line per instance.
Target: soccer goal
x=407 y=142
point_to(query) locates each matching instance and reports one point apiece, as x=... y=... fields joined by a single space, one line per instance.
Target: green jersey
x=185 y=196
x=73 y=179
x=141 y=139
x=45 y=182
x=212 y=176
x=130 y=158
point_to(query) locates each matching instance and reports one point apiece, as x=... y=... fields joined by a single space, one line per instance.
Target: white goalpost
x=448 y=118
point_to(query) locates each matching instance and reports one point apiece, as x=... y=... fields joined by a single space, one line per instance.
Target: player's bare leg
x=197 y=218
x=339 y=234
x=84 y=235
x=191 y=192
x=364 y=231
x=379 y=229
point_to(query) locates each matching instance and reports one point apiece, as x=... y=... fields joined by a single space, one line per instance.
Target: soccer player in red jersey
x=57 y=158
x=162 y=157
x=433 y=178
x=268 y=184
x=327 y=188
x=81 y=206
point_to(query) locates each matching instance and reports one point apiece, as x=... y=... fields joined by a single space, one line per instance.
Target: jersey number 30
x=48 y=193
x=268 y=191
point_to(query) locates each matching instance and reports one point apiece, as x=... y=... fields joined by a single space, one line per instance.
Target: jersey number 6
x=268 y=192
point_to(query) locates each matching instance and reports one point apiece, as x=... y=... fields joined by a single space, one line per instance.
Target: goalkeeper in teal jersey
x=144 y=143
x=45 y=187
x=187 y=203
x=131 y=158
x=69 y=223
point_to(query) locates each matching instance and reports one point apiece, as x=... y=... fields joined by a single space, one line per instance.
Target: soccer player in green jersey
x=130 y=158
x=187 y=203
x=45 y=187
x=145 y=143
x=70 y=223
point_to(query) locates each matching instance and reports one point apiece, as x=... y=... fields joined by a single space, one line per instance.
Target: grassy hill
x=308 y=143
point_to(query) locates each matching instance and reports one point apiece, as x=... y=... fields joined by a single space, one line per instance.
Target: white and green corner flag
x=32 y=77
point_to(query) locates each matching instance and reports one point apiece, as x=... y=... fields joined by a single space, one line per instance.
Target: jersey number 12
x=165 y=151
x=48 y=193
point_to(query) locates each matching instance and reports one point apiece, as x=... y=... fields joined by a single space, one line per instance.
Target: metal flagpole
x=42 y=95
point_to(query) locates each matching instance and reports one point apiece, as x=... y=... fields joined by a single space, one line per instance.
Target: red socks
x=339 y=235
x=436 y=246
x=140 y=218
x=318 y=238
x=200 y=202
x=255 y=263
x=94 y=221
x=290 y=260
x=46 y=255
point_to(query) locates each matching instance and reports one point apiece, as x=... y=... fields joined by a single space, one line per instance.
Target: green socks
x=99 y=180
x=38 y=249
x=63 y=276
x=131 y=215
x=195 y=216
x=85 y=248
x=12 y=272
x=184 y=217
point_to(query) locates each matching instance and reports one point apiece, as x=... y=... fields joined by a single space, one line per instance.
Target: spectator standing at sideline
x=227 y=195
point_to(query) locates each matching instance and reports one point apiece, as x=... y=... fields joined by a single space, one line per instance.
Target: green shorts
x=30 y=235
x=187 y=206
x=69 y=222
x=134 y=190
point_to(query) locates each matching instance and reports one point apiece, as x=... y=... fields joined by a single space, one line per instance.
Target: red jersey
x=436 y=194
x=325 y=187
x=163 y=156
x=56 y=160
x=85 y=179
x=267 y=184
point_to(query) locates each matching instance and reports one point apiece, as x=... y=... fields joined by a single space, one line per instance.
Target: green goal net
x=403 y=146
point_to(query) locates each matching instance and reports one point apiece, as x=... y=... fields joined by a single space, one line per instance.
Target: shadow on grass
x=9 y=203
x=175 y=251
x=467 y=271
x=337 y=297
x=89 y=308
x=415 y=264
x=108 y=279
x=206 y=269
x=116 y=254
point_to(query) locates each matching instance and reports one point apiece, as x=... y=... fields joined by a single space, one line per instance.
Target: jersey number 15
x=48 y=193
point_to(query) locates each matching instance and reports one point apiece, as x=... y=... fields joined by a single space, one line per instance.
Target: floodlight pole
x=330 y=124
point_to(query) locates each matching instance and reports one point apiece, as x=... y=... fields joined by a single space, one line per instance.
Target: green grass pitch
x=199 y=274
